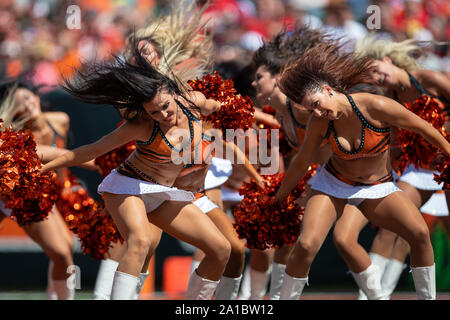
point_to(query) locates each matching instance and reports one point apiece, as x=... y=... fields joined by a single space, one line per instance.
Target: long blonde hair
x=8 y=111
x=185 y=48
x=401 y=53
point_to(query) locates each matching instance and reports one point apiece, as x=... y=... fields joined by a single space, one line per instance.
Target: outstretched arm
x=302 y=159
x=242 y=159
x=49 y=153
x=395 y=114
x=83 y=154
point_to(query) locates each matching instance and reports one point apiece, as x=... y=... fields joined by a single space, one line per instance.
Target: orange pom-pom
x=23 y=188
x=236 y=112
x=262 y=223
x=415 y=149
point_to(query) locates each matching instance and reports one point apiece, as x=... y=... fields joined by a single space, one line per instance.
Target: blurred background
x=41 y=40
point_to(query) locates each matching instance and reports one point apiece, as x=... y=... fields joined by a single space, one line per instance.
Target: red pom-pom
x=415 y=149
x=87 y=219
x=23 y=188
x=236 y=111
x=443 y=167
x=262 y=223
x=98 y=233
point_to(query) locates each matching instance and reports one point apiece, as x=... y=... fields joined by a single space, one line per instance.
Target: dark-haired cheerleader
x=359 y=171
x=268 y=61
x=399 y=73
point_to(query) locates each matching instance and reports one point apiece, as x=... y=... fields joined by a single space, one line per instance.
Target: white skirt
x=231 y=195
x=5 y=210
x=327 y=183
x=422 y=179
x=205 y=204
x=218 y=173
x=152 y=194
x=436 y=205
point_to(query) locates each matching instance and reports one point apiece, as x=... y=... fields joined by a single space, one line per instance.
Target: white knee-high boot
x=292 y=288
x=194 y=265
x=200 y=288
x=51 y=293
x=425 y=282
x=105 y=278
x=124 y=286
x=228 y=288
x=63 y=290
x=276 y=280
x=391 y=275
x=369 y=281
x=244 y=294
x=379 y=261
x=258 y=283
x=142 y=278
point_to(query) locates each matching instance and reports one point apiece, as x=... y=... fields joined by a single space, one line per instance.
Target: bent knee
x=343 y=242
x=308 y=246
x=60 y=255
x=139 y=244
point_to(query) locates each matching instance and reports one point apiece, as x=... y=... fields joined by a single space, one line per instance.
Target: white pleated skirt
x=231 y=195
x=218 y=172
x=421 y=179
x=5 y=210
x=205 y=204
x=325 y=182
x=436 y=205
x=152 y=194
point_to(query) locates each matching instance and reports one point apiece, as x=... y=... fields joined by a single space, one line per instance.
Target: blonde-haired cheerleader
x=400 y=75
x=21 y=108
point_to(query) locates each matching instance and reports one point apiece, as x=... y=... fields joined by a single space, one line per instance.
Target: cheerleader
x=187 y=54
x=359 y=172
x=402 y=78
x=268 y=62
x=21 y=108
x=155 y=108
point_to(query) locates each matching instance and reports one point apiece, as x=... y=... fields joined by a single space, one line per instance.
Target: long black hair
x=125 y=84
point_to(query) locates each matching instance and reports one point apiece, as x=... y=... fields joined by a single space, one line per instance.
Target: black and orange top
x=159 y=149
x=374 y=141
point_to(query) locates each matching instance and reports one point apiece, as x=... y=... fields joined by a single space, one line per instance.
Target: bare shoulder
x=60 y=120
x=431 y=79
x=317 y=125
x=196 y=97
x=369 y=101
x=139 y=129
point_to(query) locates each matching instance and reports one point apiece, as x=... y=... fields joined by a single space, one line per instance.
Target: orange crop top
x=374 y=141
x=159 y=149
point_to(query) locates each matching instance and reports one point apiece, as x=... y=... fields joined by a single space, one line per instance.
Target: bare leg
x=320 y=214
x=189 y=224
x=399 y=215
x=345 y=236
